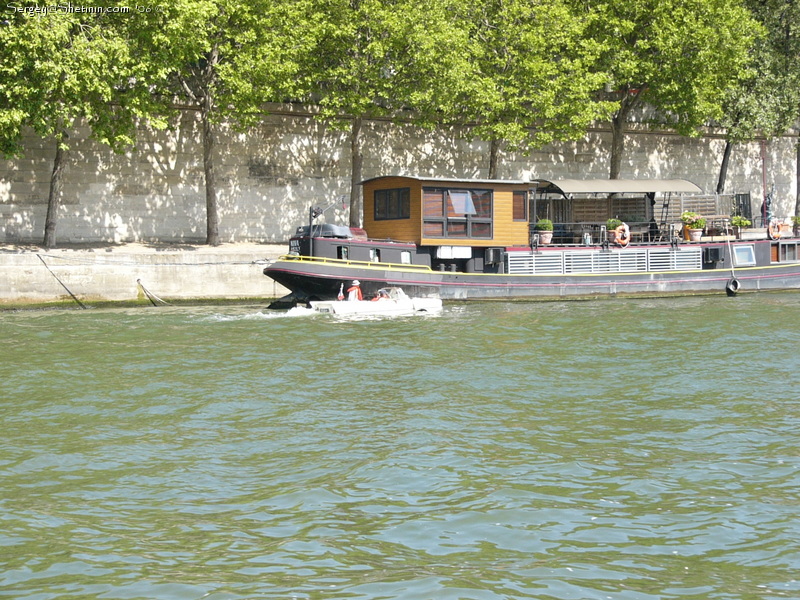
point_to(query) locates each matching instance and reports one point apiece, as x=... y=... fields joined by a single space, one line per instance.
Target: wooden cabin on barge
x=466 y=225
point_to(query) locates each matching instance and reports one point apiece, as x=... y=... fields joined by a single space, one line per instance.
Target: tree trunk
x=617 y=144
x=209 y=144
x=54 y=197
x=723 y=168
x=212 y=217
x=630 y=98
x=797 y=175
x=356 y=173
x=494 y=152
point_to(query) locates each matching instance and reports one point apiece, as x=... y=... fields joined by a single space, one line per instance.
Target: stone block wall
x=271 y=174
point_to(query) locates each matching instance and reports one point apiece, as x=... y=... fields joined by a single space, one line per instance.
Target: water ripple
x=499 y=451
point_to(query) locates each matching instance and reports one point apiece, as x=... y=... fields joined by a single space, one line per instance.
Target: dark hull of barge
x=316 y=278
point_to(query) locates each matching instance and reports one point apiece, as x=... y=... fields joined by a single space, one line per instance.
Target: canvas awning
x=617 y=186
x=574 y=186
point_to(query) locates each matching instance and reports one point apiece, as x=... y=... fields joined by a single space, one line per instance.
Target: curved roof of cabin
x=621 y=186
x=575 y=186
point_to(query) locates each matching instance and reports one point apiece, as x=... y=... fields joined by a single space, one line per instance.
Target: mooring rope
x=733 y=285
x=150 y=296
x=74 y=297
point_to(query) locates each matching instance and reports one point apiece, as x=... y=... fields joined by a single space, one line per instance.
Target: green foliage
x=58 y=67
x=740 y=221
x=543 y=225
x=226 y=59
x=378 y=59
x=533 y=76
x=678 y=56
x=766 y=99
x=227 y=56
x=612 y=224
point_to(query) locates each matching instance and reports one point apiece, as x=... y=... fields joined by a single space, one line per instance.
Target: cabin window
x=392 y=204
x=788 y=252
x=744 y=256
x=457 y=213
x=520 y=206
x=459 y=202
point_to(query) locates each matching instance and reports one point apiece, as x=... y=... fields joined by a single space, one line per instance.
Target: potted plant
x=544 y=227
x=693 y=225
x=739 y=222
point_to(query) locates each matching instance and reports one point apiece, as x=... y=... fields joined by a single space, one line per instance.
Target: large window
x=457 y=213
x=392 y=204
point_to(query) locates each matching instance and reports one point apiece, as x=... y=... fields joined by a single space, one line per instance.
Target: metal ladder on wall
x=663 y=232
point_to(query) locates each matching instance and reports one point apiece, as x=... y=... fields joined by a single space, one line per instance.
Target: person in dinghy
x=354 y=291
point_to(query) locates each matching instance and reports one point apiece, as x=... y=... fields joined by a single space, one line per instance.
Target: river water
x=616 y=449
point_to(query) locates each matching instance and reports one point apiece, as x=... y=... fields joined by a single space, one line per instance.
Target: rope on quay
x=74 y=297
x=154 y=300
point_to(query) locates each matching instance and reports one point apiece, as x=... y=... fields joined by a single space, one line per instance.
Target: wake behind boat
x=498 y=239
x=391 y=302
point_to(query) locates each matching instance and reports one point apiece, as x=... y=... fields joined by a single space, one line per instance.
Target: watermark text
x=70 y=8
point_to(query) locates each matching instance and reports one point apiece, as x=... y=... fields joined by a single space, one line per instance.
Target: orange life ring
x=623 y=236
x=774 y=231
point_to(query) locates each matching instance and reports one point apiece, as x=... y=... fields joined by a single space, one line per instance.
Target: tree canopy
x=400 y=59
x=677 y=56
x=534 y=75
x=519 y=73
x=57 y=68
x=226 y=59
x=765 y=100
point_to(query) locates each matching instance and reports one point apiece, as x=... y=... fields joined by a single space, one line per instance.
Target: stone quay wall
x=136 y=274
x=270 y=175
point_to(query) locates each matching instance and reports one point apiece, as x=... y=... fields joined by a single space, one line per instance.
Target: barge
x=465 y=239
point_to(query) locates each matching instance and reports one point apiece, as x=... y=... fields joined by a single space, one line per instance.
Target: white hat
x=356 y=282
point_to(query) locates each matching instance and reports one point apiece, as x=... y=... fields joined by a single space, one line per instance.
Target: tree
x=226 y=59
x=766 y=101
x=533 y=80
x=58 y=68
x=677 y=56
x=381 y=59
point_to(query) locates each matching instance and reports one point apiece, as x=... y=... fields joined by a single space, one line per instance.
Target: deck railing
x=354 y=263
x=589 y=233
x=629 y=260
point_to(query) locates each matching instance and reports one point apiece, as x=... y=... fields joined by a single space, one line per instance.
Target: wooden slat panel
x=403 y=230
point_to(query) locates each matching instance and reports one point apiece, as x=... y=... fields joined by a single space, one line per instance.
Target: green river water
x=617 y=449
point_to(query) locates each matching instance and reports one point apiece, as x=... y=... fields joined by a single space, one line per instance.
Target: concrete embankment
x=133 y=273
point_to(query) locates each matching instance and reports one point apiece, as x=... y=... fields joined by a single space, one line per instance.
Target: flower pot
x=545 y=237
x=695 y=235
